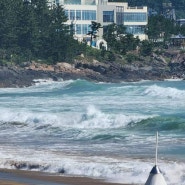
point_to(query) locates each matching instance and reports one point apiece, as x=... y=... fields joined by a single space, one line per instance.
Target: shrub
x=131 y=57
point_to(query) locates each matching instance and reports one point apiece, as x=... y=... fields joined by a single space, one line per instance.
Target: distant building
x=80 y=13
x=169 y=11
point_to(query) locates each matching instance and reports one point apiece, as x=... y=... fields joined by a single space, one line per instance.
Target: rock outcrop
x=155 y=69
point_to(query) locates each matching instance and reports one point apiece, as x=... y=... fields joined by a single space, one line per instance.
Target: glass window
x=119 y=18
x=135 y=29
x=88 y=15
x=135 y=17
x=119 y=15
x=85 y=28
x=82 y=29
x=78 y=29
x=90 y=2
x=78 y=15
x=108 y=16
x=72 y=1
x=72 y=15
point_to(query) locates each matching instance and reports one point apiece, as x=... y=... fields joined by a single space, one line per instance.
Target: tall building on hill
x=80 y=13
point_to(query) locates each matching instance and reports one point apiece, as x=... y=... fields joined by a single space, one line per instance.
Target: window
x=119 y=15
x=72 y=15
x=90 y=2
x=108 y=16
x=78 y=15
x=88 y=15
x=78 y=29
x=135 y=29
x=72 y=1
x=119 y=18
x=85 y=29
x=67 y=13
x=82 y=29
x=135 y=17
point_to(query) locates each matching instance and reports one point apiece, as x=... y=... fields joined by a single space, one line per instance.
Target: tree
x=8 y=20
x=118 y=40
x=57 y=43
x=112 y=33
x=94 y=29
x=159 y=27
x=126 y=43
x=182 y=29
x=25 y=27
x=33 y=30
x=41 y=22
x=146 y=48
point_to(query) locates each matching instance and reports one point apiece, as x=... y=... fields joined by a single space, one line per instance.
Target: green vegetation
x=161 y=28
x=94 y=29
x=118 y=41
x=33 y=31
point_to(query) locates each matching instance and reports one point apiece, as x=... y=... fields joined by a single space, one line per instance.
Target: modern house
x=80 y=13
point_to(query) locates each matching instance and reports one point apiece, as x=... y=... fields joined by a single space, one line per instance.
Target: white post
x=156 y=149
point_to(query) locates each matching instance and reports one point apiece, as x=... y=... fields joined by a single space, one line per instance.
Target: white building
x=80 y=13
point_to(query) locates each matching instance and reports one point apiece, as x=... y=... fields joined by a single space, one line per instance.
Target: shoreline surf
x=21 y=177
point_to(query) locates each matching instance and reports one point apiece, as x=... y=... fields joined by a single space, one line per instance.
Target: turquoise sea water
x=100 y=130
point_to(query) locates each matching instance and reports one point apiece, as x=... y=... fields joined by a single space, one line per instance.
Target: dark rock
x=61 y=171
x=19 y=165
x=33 y=166
x=156 y=68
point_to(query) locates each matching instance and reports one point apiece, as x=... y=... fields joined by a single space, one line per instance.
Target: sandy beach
x=20 y=177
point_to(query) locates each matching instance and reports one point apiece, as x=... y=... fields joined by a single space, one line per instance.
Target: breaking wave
x=124 y=170
x=98 y=130
x=164 y=92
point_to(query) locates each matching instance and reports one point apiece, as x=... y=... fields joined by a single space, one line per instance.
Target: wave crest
x=164 y=92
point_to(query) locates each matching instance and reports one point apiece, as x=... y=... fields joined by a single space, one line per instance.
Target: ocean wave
x=92 y=118
x=95 y=118
x=40 y=86
x=94 y=124
x=164 y=92
x=121 y=170
x=158 y=123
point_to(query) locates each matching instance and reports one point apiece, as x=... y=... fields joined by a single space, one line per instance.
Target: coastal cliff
x=156 y=67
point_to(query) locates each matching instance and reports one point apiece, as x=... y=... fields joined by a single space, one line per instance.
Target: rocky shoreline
x=156 y=68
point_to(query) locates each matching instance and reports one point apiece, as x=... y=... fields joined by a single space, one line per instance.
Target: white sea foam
x=40 y=85
x=92 y=118
x=166 y=92
x=50 y=82
x=122 y=170
x=174 y=79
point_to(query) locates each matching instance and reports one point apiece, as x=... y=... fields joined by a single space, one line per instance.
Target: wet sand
x=20 y=177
